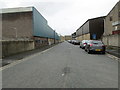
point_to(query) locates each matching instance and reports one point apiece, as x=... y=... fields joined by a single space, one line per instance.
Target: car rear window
x=85 y=41
x=97 y=42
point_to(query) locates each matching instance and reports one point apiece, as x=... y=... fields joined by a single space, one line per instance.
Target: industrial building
x=25 y=27
x=92 y=29
x=68 y=37
x=111 y=36
x=62 y=38
x=74 y=36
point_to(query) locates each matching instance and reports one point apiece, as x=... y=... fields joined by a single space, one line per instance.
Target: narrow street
x=63 y=66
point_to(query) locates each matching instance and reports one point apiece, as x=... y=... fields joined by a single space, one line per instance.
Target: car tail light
x=91 y=44
x=85 y=43
x=103 y=46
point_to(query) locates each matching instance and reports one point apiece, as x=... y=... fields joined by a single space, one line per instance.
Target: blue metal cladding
x=57 y=36
x=40 y=26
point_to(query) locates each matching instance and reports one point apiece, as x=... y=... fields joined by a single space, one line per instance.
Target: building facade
x=92 y=29
x=62 y=38
x=111 y=34
x=68 y=37
x=74 y=36
x=26 y=24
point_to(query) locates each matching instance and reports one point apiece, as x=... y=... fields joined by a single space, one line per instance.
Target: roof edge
x=16 y=9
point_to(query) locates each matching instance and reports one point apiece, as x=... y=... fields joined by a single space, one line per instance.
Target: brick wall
x=17 y=25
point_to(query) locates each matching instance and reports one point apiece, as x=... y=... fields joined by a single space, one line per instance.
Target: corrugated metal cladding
x=92 y=26
x=40 y=26
x=84 y=29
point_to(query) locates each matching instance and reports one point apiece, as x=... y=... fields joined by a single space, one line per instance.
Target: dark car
x=72 y=41
x=76 y=42
x=95 y=46
x=69 y=41
x=83 y=44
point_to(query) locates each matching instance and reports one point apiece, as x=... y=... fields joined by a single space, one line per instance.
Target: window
x=110 y=18
x=119 y=14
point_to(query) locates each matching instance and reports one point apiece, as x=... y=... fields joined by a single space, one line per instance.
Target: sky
x=65 y=16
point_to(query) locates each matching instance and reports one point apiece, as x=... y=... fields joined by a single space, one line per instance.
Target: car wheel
x=103 y=52
x=83 y=48
x=88 y=51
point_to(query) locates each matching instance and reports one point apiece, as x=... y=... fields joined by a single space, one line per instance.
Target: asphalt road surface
x=63 y=66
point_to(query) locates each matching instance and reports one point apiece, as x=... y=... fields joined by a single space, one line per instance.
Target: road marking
x=22 y=60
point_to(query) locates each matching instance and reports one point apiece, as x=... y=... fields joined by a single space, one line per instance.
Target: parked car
x=69 y=41
x=83 y=44
x=72 y=41
x=95 y=46
x=76 y=42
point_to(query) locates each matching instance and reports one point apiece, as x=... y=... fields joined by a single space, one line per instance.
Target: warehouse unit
x=111 y=34
x=91 y=29
x=26 y=24
x=74 y=36
x=68 y=37
x=42 y=30
x=17 y=23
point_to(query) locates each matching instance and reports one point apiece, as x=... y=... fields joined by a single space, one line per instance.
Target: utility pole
x=82 y=33
x=54 y=36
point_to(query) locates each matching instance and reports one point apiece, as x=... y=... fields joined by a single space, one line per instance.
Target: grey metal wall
x=84 y=29
x=97 y=27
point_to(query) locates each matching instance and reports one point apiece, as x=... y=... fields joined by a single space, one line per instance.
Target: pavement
x=114 y=51
x=22 y=55
x=62 y=66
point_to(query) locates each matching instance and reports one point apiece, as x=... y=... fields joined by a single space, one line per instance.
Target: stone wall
x=50 y=41
x=84 y=37
x=112 y=40
x=14 y=47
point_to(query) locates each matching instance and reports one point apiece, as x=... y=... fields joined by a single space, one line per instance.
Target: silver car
x=95 y=46
x=83 y=44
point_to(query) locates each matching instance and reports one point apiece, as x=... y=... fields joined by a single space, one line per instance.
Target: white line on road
x=22 y=60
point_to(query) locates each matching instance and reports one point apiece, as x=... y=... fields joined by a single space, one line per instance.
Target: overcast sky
x=65 y=16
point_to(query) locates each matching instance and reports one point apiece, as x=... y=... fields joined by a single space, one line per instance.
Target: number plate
x=98 y=50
